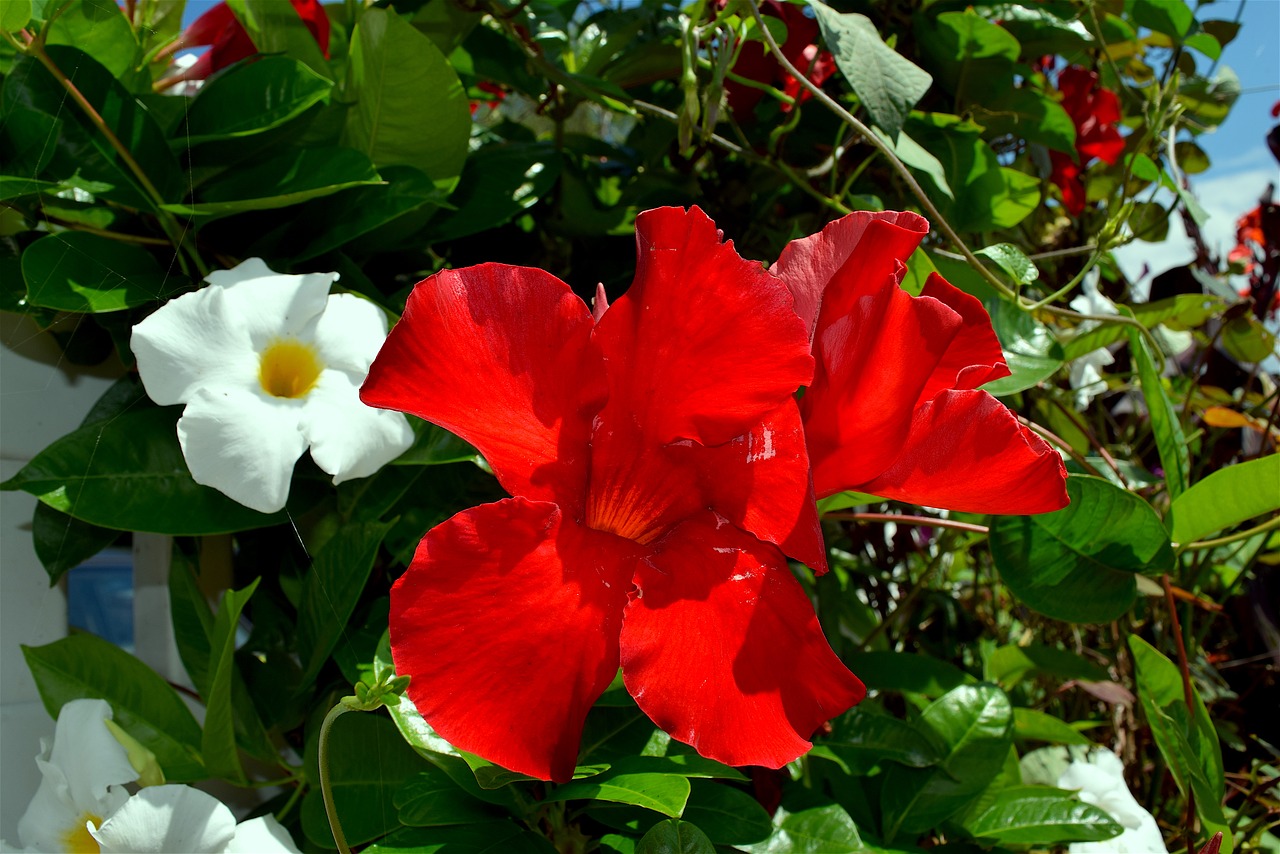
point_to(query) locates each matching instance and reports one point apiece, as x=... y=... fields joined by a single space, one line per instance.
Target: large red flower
x=1094 y=111
x=229 y=42
x=658 y=463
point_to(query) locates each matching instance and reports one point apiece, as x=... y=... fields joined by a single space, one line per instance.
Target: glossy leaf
x=1078 y=563
x=1013 y=261
x=1039 y=815
x=63 y=542
x=1027 y=113
x=251 y=98
x=1010 y=663
x=907 y=672
x=971 y=55
x=675 y=837
x=434 y=445
x=128 y=473
x=817 y=830
x=14 y=15
x=867 y=737
x=1172 y=19
x=84 y=665
x=1030 y=349
x=400 y=80
x=664 y=793
x=219 y=742
x=728 y=816
x=498 y=182
x=277 y=29
x=1165 y=422
x=1226 y=498
x=84 y=273
x=432 y=799
x=100 y=29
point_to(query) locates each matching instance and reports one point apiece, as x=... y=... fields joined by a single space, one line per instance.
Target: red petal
x=704 y=344
x=313 y=15
x=1103 y=142
x=967 y=452
x=874 y=242
x=206 y=28
x=975 y=356
x=503 y=357
x=507 y=624
x=1066 y=175
x=721 y=648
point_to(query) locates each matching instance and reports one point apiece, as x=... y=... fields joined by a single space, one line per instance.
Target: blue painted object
x=100 y=596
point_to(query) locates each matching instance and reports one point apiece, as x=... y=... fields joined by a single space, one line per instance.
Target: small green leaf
x=1173 y=19
x=63 y=542
x=1031 y=725
x=1165 y=422
x=81 y=272
x=1039 y=815
x=14 y=15
x=675 y=837
x=1013 y=261
x=1247 y=340
x=817 y=830
x=251 y=98
x=1009 y=664
x=1078 y=563
x=1226 y=498
x=219 y=742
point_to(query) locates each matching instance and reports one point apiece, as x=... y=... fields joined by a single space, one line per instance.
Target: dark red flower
x=1094 y=111
x=756 y=62
x=819 y=66
x=660 y=473
x=229 y=42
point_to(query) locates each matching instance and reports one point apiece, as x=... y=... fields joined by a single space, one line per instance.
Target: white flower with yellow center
x=1100 y=780
x=268 y=366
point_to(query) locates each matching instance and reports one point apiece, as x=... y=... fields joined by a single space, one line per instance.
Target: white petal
x=350 y=333
x=167 y=819
x=272 y=305
x=243 y=444
x=347 y=438
x=192 y=342
x=261 y=835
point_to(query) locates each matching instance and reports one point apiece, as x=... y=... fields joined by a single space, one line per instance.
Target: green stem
x=1273 y=522
x=326 y=786
x=1065 y=289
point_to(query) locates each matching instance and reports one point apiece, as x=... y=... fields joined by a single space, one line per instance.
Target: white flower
x=268 y=366
x=1100 y=780
x=82 y=804
x=1086 y=375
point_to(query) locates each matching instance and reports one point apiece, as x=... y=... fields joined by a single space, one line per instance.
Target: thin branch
x=903 y=519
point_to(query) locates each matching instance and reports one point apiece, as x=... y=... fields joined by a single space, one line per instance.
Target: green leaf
x=434 y=445
x=368 y=763
x=63 y=542
x=1226 y=498
x=431 y=799
x=128 y=473
x=81 y=272
x=887 y=83
x=100 y=29
x=972 y=56
x=868 y=738
x=14 y=15
x=1030 y=725
x=1208 y=102
x=1186 y=737
x=1031 y=351
x=1165 y=423
x=919 y=158
x=728 y=816
x=289 y=178
x=1247 y=340
x=498 y=182
x=914 y=673
x=1174 y=19
x=1013 y=261
x=1078 y=563
x=1183 y=311
x=219 y=743
x=251 y=98
x=145 y=706
x=276 y=28
x=492 y=837
x=1206 y=44
x=679 y=764
x=975 y=724
x=1029 y=114
x=1039 y=30
x=817 y=830
x=1039 y=815
x=401 y=83
x=675 y=837
x=416 y=732
x=664 y=793
x=1009 y=664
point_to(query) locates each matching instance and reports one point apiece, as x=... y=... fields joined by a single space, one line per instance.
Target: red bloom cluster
x=662 y=471
x=1257 y=249
x=229 y=43
x=1095 y=112
x=756 y=62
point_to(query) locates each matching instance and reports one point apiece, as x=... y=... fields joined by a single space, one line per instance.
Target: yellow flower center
x=77 y=839
x=289 y=368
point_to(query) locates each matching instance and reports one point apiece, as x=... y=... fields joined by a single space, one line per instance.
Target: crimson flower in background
x=756 y=62
x=229 y=42
x=1095 y=112
x=660 y=475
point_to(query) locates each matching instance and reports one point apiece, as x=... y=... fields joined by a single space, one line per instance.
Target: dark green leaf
x=128 y=473
x=914 y=673
x=664 y=793
x=728 y=816
x=63 y=542
x=1038 y=29
x=1226 y=498
x=887 y=83
x=818 y=830
x=432 y=799
x=1078 y=563
x=868 y=738
x=80 y=272
x=433 y=445
x=675 y=837
x=491 y=837
x=1165 y=422
x=975 y=724
x=972 y=56
x=1030 y=349
x=1029 y=114
x=100 y=29
x=1039 y=815
x=401 y=82
x=219 y=743
x=144 y=705
x=251 y=98
x=498 y=182
x=679 y=764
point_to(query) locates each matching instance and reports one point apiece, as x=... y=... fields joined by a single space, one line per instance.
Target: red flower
x=756 y=62
x=1095 y=112
x=659 y=469
x=229 y=43
x=817 y=65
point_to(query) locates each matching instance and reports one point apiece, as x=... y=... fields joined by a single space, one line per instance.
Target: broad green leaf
x=679 y=764
x=1039 y=815
x=433 y=445
x=907 y=672
x=1165 y=422
x=219 y=742
x=1209 y=101
x=84 y=273
x=1038 y=29
x=276 y=28
x=368 y=763
x=251 y=98
x=498 y=182
x=1186 y=737
x=491 y=837
x=1206 y=44
x=1031 y=351
x=401 y=83
x=869 y=738
x=1031 y=725
x=289 y=178
x=1078 y=563
x=1007 y=665
x=13 y=187
x=1019 y=196
x=675 y=837
x=330 y=591
x=886 y=82
x=1029 y=114
x=490 y=775
x=1247 y=340
x=1171 y=18
x=100 y=29
x=128 y=473
x=728 y=816
x=1183 y=311
x=974 y=723
x=919 y=158
x=1013 y=261
x=1226 y=498
x=63 y=542
x=145 y=706
x=664 y=793
x=14 y=15
x=416 y=732
x=972 y=56
x=431 y=799
x=817 y=830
